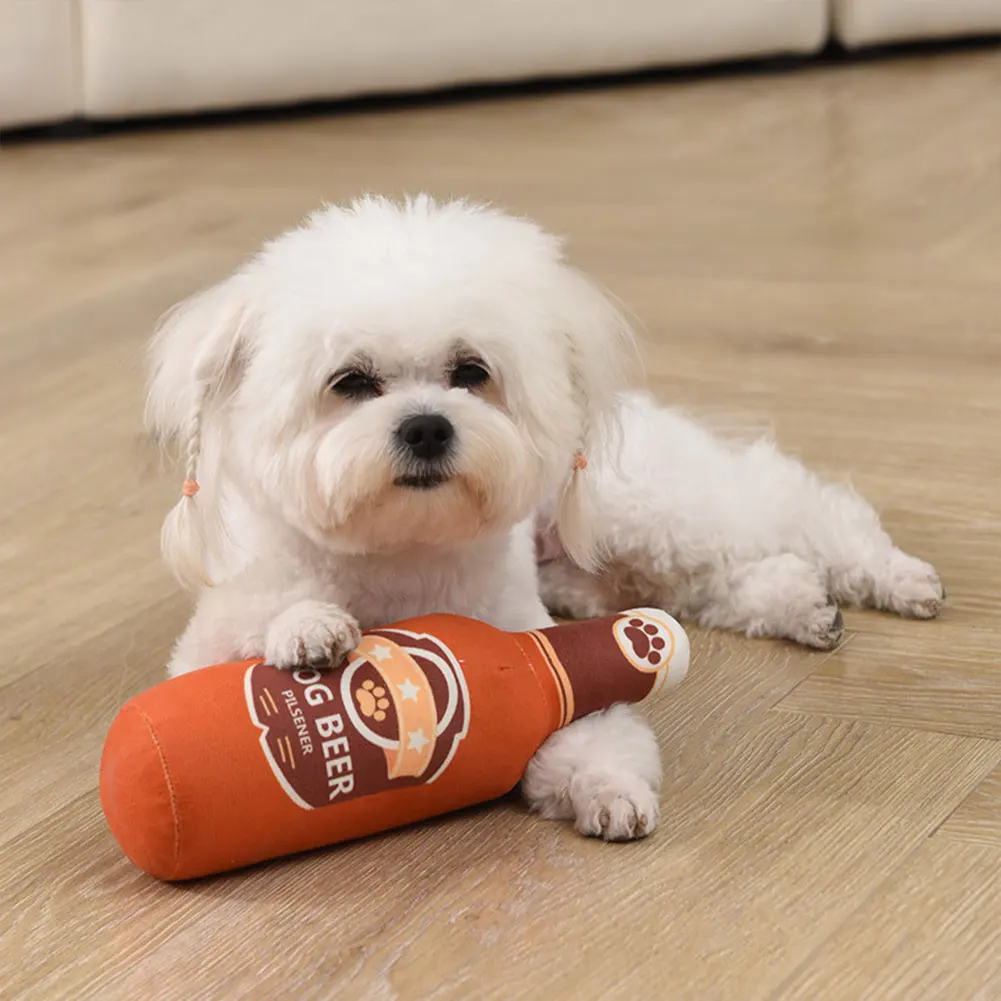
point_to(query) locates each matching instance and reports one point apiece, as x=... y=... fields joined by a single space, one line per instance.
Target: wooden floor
x=819 y=250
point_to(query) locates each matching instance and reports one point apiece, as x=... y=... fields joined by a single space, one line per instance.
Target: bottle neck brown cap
x=620 y=658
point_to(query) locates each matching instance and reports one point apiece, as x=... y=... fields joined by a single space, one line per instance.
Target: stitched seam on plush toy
x=528 y=660
x=562 y=679
x=561 y=693
x=170 y=788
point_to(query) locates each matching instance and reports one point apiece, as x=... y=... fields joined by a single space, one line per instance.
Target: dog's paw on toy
x=311 y=632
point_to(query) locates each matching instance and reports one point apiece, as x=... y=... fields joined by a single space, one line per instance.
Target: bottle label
x=393 y=716
x=620 y=658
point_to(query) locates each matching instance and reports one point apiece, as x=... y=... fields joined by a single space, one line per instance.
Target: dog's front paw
x=311 y=633
x=614 y=807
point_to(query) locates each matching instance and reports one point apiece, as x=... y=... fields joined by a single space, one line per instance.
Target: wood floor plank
x=943 y=677
x=930 y=933
x=978 y=817
x=55 y=717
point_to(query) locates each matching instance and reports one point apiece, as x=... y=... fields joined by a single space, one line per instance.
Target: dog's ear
x=196 y=357
x=602 y=356
x=194 y=353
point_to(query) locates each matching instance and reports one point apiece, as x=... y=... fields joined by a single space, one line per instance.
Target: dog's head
x=388 y=376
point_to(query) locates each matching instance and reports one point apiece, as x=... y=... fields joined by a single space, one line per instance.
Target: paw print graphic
x=647 y=643
x=372 y=700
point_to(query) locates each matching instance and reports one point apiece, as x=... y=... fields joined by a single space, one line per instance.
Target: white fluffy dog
x=387 y=412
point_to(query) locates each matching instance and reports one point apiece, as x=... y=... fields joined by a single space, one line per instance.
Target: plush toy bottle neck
x=587 y=666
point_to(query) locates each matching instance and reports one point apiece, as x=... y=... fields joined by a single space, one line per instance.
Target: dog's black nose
x=426 y=436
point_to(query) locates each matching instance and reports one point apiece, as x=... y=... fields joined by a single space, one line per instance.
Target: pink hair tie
x=190 y=488
x=579 y=461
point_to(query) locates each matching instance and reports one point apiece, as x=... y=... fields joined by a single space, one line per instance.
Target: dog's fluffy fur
x=287 y=385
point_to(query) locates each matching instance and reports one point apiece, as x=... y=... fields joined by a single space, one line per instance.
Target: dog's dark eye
x=469 y=375
x=355 y=385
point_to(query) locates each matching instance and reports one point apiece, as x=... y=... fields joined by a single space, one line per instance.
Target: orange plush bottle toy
x=243 y=762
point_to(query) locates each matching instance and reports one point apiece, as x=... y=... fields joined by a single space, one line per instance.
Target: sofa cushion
x=872 y=22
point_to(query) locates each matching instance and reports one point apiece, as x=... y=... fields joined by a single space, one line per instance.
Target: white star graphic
x=417 y=740
x=381 y=653
x=408 y=690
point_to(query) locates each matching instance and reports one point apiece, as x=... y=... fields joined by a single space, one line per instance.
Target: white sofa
x=103 y=59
